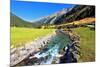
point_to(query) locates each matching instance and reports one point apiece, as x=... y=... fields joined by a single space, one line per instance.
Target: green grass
x=20 y=36
x=87 y=43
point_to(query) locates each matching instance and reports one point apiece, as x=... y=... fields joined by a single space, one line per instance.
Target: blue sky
x=31 y=11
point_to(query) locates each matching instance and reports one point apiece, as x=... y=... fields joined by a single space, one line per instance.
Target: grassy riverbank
x=20 y=36
x=87 y=43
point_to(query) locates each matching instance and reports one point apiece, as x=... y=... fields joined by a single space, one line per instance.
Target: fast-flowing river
x=49 y=54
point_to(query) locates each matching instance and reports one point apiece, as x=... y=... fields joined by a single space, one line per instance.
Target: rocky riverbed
x=20 y=53
x=46 y=50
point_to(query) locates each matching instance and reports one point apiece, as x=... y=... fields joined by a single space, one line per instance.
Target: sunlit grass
x=87 y=43
x=78 y=22
x=20 y=36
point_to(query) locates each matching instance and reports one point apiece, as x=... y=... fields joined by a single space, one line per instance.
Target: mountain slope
x=52 y=18
x=69 y=15
x=65 y=15
x=18 y=22
x=80 y=12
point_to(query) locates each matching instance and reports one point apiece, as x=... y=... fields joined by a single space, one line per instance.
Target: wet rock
x=72 y=50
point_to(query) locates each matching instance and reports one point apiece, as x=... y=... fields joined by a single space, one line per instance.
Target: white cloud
x=87 y=2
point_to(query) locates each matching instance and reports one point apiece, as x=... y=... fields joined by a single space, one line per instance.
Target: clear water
x=49 y=54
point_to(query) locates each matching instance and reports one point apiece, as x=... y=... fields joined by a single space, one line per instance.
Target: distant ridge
x=18 y=22
x=69 y=15
x=65 y=15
